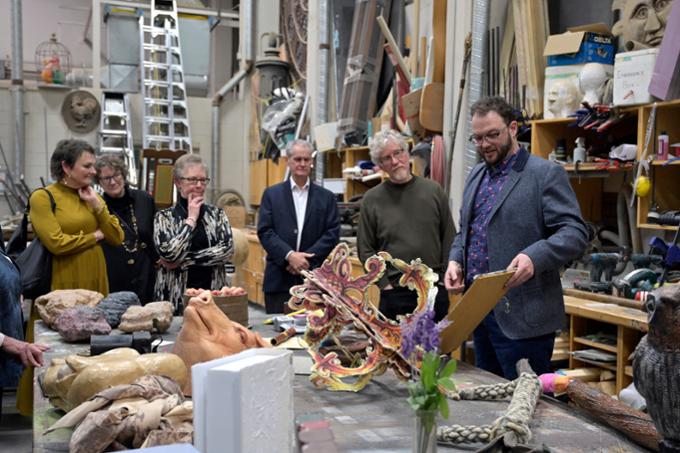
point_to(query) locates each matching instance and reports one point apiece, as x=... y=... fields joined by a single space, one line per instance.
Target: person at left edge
x=131 y=265
x=298 y=227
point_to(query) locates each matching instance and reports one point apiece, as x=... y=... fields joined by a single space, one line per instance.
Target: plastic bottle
x=580 y=150
x=662 y=146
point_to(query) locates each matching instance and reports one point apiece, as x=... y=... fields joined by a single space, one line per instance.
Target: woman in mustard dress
x=81 y=220
x=71 y=233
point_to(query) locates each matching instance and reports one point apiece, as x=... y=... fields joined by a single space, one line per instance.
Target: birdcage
x=53 y=60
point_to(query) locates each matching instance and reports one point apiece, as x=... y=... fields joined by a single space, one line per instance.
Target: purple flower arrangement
x=420 y=340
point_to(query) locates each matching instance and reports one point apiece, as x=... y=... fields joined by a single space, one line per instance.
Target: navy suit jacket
x=277 y=230
x=537 y=214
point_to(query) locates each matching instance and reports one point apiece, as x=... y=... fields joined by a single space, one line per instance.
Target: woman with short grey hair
x=193 y=238
x=131 y=266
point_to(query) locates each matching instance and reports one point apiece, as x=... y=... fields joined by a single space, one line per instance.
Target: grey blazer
x=536 y=214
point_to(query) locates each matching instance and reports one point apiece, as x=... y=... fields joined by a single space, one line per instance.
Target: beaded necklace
x=135 y=230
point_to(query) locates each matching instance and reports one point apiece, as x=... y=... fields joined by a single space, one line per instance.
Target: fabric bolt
x=278 y=232
x=173 y=239
x=68 y=233
x=11 y=319
x=300 y=196
x=409 y=221
x=131 y=265
x=485 y=200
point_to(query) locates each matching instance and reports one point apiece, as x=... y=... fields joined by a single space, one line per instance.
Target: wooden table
x=378 y=418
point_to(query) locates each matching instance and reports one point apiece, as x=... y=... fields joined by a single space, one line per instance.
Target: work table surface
x=377 y=418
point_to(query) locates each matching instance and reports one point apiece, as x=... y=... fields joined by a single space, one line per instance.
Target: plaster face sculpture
x=208 y=334
x=642 y=22
x=563 y=99
x=73 y=379
x=343 y=301
x=592 y=80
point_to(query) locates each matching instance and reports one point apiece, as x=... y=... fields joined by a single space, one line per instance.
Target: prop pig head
x=208 y=334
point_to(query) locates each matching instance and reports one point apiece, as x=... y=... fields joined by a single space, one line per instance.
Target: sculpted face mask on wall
x=642 y=22
x=208 y=334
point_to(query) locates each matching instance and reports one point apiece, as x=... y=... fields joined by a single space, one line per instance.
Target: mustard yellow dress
x=77 y=258
x=68 y=233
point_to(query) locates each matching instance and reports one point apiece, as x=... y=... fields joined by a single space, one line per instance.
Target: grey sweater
x=408 y=221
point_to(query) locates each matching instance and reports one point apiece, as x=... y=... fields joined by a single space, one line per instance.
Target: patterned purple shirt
x=485 y=200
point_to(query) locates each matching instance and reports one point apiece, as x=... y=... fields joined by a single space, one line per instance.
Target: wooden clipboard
x=476 y=303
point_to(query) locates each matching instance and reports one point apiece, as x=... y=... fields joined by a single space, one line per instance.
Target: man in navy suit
x=519 y=212
x=298 y=227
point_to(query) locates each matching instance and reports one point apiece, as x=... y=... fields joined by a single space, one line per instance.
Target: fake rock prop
x=150 y=411
x=73 y=379
x=656 y=365
x=114 y=305
x=343 y=301
x=152 y=317
x=53 y=303
x=207 y=334
x=79 y=323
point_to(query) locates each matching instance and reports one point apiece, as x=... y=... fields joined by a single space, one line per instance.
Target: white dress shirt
x=300 y=196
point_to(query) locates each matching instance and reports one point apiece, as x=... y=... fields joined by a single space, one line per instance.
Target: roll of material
x=240 y=247
x=283 y=336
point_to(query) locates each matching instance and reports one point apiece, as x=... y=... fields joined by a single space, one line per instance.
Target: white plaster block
x=244 y=402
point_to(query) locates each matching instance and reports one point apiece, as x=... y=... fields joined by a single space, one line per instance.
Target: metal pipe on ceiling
x=17 y=88
x=247 y=56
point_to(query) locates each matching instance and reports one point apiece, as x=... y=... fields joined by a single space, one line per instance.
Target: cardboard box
x=632 y=73
x=565 y=75
x=578 y=45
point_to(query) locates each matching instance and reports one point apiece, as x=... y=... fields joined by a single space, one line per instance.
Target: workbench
x=377 y=418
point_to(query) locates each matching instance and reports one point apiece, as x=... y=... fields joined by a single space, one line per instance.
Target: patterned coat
x=172 y=237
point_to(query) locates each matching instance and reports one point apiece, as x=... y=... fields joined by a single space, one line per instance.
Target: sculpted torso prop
x=207 y=334
x=343 y=302
x=73 y=379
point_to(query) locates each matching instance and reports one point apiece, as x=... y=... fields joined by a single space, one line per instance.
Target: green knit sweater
x=410 y=221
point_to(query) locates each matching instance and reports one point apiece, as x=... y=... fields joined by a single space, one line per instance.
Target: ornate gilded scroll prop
x=334 y=299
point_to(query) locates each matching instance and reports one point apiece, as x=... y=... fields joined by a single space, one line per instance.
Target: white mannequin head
x=592 y=79
x=563 y=98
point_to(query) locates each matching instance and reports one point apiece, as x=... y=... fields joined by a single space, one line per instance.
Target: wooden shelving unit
x=590 y=317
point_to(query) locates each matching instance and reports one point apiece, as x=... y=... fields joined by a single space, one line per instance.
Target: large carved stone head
x=642 y=22
x=208 y=334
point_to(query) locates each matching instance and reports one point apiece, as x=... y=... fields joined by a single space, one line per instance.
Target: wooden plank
x=439 y=35
x=431 y=114
x=613 y=314
x=476 y=303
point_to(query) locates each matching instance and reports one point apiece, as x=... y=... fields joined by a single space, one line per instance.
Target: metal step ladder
x=166 y=116
x=115 y=132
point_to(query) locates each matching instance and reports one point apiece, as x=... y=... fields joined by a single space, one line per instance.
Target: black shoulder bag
x=34 y=261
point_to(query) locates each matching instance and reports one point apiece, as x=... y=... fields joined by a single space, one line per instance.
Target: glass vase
x=425 y=432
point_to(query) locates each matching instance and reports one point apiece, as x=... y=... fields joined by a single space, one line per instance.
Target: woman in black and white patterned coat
x=193 y=239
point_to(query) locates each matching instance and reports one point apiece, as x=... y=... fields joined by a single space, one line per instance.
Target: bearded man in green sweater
x=408 y=217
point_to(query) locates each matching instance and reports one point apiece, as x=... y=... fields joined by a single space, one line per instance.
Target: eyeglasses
x=490 y=137
x=384 y=160
x=195 y=181
x=108 y=179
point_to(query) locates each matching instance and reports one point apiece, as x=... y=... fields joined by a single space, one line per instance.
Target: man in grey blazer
x=519 y=211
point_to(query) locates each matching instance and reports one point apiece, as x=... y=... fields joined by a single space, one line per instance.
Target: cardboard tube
x=283 y=336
